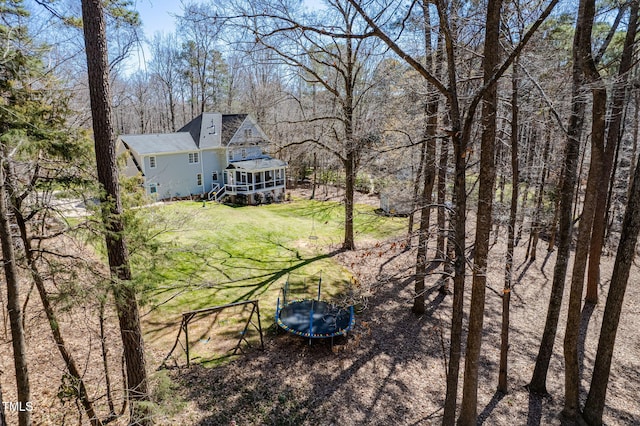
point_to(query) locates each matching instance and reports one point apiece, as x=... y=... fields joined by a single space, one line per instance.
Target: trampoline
x=313 y=319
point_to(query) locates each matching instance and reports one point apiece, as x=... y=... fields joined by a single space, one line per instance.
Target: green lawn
x=217 y=254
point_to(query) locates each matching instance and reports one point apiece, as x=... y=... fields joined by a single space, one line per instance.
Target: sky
x=159 y=16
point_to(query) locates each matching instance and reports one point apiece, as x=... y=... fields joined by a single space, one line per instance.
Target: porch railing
x=254 y=187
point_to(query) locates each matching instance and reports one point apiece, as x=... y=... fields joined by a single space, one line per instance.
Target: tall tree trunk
x=635 y=139
x=314 y=184
x=349 y=191
x=532 y=140
x=586 y=15
x=457 y=237
x=594 y=405
x=613 y=138
x=425 y=203
x=13 y=297
x=416 y=192
x=538 y=383
x=125 y=296
x=429 y=171
x=513 y=214
x=486 y=192
x=554 y=223
x=105 y=360
x=537 y=216
x=441 y=197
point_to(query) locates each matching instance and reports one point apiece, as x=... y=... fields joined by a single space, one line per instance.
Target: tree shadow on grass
x=159 y=328
x=266 y=283
x=297 y=382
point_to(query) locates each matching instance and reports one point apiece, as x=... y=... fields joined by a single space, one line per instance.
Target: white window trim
x=194 y=157
x=199 y=179
x=152 y=162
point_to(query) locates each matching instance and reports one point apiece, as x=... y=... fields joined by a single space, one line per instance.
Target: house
x=212 y=156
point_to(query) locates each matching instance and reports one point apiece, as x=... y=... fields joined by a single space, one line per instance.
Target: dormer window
x=194 y=158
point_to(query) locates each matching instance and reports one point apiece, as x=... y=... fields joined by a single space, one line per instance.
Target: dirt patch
x=334 y=194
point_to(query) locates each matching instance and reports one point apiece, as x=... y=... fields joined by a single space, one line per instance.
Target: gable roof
x=188 y=138
x=230 y=125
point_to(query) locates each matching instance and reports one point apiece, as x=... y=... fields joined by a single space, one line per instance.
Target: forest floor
x=390 y=370
x=392 y=367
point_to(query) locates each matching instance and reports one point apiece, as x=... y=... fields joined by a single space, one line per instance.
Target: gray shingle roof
x=193 y=127
x=185 y=139
x=160 y=143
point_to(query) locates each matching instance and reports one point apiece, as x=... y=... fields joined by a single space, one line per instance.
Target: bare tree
x=614 y=130
x=594 y=405
x=492 y=53
x=511 y=226
x=460 y=133
x=586 y=14
x=569 y=179
x=165 y=67
x=334 y=53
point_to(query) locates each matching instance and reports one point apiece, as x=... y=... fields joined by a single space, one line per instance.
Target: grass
x=217 y=254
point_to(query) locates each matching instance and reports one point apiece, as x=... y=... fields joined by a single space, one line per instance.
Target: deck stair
x=217 y=193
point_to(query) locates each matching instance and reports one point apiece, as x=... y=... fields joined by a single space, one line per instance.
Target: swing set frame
x=189 y=316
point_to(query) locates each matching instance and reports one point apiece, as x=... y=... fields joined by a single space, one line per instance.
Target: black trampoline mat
x=316 y=319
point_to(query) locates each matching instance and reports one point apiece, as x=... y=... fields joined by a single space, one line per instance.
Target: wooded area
x=508 y=125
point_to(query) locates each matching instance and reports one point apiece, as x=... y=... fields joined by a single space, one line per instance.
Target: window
x=244 y=153
x=230 y=154
x=247 y=133
x=194 y=158
x=152 y=162
x=153 y=188
x=199 y=179
x=214 y=176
